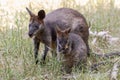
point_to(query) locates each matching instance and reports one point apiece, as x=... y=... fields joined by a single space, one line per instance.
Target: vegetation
x=16 y=48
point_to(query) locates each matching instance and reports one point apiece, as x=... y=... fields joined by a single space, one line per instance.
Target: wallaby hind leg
x=36 y=48
x=87 y=45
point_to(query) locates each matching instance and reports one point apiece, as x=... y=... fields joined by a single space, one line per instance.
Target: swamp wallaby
x=73 y=49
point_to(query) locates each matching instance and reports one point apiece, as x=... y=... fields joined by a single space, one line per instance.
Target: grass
x=16 y=48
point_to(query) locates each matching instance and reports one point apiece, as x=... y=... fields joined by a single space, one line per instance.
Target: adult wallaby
x=42 y=27
x=73 y=49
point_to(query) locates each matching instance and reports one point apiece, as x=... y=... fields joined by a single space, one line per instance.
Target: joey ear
x=58 y=30
x=30 y=13
x=41 y=14
x=67 y=31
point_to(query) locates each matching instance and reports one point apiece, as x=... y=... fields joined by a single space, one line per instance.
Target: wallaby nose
x=30 y=35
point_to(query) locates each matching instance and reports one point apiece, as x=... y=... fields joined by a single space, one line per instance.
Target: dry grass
x=16 y=49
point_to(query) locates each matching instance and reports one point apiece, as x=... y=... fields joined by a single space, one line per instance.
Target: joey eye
x=60 y=42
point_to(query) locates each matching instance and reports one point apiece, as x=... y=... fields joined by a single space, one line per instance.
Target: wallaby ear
x=30 y=13
x=41 y=14
x=67 y=31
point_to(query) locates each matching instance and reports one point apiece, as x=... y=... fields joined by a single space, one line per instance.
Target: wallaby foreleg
x=36 y=48
x=45 y=52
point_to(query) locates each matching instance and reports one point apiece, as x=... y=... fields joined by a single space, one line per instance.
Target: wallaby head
x=62 y=39
x=36 y=22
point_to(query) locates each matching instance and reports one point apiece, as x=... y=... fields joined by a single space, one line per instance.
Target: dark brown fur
x=73 y=49
x=46 y=33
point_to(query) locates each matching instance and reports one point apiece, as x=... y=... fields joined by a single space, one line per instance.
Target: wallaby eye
x=36 y=26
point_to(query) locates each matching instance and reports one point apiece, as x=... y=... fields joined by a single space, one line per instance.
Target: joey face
x=62 y=39
x=62 y=43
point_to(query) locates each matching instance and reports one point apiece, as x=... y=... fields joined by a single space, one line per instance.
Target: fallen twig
x=96 y=65
x=114 y=70
x=108 y=55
